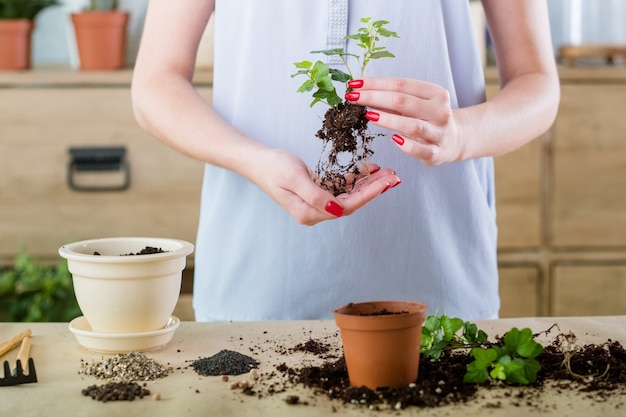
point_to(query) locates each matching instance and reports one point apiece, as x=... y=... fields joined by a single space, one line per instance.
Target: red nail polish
x=334 y=209
x=372 y=115
x=355 y=83
x=398 y=183
x=388 y=186
x=352 y=96
x=376 y=169
x=398 y=139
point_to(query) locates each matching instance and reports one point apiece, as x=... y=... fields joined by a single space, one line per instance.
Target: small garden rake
x=21 y=374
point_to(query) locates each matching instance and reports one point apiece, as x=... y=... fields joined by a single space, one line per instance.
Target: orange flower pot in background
x=381 y=342
x=15 y=41
x=101 y=39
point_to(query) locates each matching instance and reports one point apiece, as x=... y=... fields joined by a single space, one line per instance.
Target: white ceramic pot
x=126 y=294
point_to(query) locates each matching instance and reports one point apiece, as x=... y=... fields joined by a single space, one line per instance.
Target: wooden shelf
x=65 y=77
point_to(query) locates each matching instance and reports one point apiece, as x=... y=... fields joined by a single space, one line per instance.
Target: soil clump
x=345 y=135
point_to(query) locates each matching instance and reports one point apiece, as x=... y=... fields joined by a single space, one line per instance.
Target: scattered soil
x=594 y=370
x=347 y=146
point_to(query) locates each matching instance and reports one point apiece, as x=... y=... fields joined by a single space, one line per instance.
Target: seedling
x=344 y=128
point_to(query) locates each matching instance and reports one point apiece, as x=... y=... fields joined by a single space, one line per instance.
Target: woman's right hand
x=291 y=184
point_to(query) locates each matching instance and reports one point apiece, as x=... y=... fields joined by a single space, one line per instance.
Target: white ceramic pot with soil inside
x=120 y=290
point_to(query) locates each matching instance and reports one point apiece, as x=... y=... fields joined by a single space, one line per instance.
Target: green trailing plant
x=23 y=9
x=345 y=126
x=33 y=292
x=513 y=361
x=441 y=333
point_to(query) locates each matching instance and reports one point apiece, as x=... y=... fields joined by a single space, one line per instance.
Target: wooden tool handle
x=13 y=342
x=23 y=353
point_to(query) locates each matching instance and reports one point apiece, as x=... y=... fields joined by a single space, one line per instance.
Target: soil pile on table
x=225 y=362
x=594 y=370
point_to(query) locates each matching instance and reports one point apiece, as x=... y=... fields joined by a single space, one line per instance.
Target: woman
x=265 y=247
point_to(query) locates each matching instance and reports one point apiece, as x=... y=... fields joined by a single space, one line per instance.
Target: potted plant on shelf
x=17 y=19
x=100 y=32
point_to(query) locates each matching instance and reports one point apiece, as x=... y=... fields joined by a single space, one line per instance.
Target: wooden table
x=58 y=358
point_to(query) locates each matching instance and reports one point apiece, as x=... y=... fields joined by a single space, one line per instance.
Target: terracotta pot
x=15 y=37
x=381 y=349
x=101 y=39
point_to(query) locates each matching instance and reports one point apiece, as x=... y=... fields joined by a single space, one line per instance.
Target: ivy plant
x=513 y=361
x=441 y=333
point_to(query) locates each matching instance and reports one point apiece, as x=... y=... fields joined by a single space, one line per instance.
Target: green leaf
x=305 y=65
x=330 y=52
x=514 y=370
x=475 y=374
x=387 y=33
x=522 y=343
x=325 y=84
x=498 y=372
x=483 y=357
x=532 y=368
x=308 y=85
x=382 y=54
x=340 y=76
x=450 y=326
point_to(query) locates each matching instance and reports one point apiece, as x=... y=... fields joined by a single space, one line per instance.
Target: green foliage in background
x=23 y=9
x=103 y=5
x=32 y=292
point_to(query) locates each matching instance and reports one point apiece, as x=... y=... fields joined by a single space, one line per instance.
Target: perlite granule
x=125 y=367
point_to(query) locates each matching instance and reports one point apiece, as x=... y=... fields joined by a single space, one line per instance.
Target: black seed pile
x=225 y=362
x=115 y=391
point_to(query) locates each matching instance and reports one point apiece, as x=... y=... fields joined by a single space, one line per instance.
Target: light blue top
x=431 y=239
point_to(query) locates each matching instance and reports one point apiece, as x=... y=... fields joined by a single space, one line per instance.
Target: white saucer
x=122 y=342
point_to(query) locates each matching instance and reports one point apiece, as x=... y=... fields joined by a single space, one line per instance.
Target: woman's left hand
x=419 y=111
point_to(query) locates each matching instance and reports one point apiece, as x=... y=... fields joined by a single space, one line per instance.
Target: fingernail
x=398 y=139
x=386 y=188
x=355 y=83
x=398 y=183
x=372 y=115
x=334 y=209
x=376 y=169
x=352 y=96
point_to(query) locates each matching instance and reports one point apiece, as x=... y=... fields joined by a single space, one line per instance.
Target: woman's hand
x=291 y=184
x=419 y=111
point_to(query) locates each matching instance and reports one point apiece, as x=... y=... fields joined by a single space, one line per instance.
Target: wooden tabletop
x=58 y=357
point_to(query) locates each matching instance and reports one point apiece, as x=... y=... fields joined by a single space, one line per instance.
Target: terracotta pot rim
x=91 y=17
x=353 y=316
x=100 y=12
x=17 y=23
x=362 y=308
